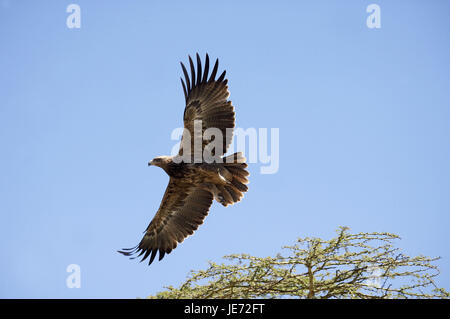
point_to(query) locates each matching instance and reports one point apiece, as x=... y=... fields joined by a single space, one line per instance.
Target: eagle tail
x=234 y=172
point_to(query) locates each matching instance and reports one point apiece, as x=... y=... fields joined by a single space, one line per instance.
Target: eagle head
x=160 y=161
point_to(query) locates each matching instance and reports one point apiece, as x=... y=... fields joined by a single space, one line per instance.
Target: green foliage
x=363 y=265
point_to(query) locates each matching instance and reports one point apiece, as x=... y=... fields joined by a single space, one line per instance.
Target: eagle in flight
x=194 y=183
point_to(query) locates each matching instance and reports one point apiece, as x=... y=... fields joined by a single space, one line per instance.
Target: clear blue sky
x=363 y=116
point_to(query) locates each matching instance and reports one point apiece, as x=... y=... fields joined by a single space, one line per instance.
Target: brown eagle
x=194 y=184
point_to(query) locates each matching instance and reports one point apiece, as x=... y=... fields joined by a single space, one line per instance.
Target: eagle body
x=223 y=180
x=193 y=184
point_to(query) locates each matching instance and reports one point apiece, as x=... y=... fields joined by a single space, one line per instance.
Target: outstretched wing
x=206 y=101
x=182 y=210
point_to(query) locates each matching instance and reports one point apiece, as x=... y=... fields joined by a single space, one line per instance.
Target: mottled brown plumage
x=194 y=185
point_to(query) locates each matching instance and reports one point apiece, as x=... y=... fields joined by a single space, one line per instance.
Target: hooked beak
x=150 y=163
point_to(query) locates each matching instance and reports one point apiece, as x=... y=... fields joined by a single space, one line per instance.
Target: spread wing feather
x=206 y=100
x=182 y=210
x=185 y=204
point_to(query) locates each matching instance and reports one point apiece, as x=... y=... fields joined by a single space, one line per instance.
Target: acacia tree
x=362 y=265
